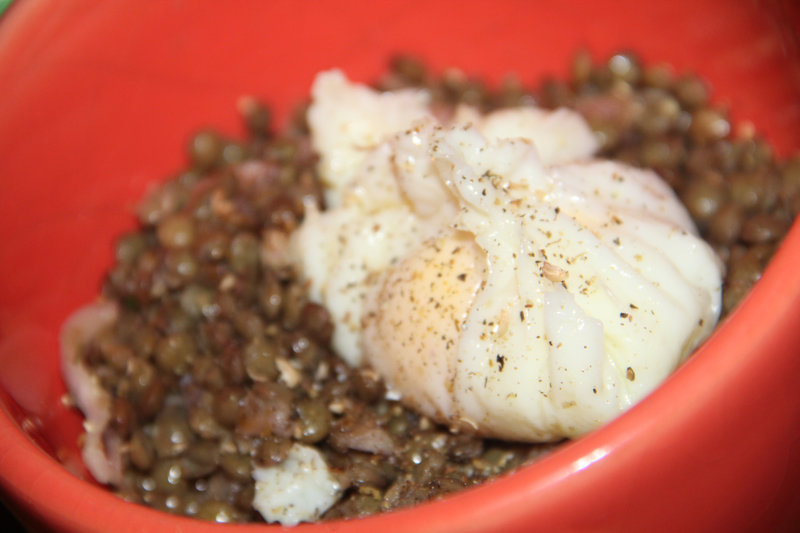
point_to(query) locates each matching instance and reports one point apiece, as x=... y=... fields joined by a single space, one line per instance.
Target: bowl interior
x=99 y=100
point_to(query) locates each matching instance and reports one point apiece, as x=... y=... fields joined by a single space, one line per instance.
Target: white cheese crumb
x=300 y=489
x=289 y=374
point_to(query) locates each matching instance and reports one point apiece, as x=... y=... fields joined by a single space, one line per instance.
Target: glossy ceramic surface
x=98 y=98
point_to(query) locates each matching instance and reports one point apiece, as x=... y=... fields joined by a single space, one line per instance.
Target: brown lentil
x=218 y=362
x=205 y=149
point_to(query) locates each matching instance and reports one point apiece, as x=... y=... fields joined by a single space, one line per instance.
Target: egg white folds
x=497 y=278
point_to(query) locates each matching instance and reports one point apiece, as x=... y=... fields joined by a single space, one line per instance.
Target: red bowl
x=96 y=104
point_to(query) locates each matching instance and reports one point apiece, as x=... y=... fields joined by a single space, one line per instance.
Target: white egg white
x=498 y=278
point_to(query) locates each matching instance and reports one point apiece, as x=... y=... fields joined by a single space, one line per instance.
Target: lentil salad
x=218 y=360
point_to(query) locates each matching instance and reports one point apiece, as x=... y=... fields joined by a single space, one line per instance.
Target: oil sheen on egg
x=496 y=277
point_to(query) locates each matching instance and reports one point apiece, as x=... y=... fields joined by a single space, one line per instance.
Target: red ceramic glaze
x=97 y=100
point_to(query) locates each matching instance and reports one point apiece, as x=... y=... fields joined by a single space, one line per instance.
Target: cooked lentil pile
x=218 y=360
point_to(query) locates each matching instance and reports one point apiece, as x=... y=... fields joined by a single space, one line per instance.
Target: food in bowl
x=207 y=375
x=490 y=271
